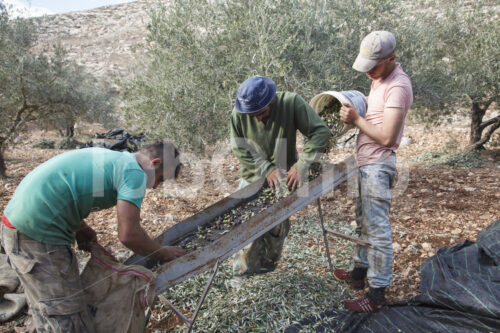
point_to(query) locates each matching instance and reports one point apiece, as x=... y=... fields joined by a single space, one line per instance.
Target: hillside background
x=108 y=40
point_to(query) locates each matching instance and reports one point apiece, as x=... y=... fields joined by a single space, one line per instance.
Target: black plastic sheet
x=125 y=140
x=460 y=292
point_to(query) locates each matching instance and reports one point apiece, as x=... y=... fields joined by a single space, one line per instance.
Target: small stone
x=422 y=210
x=456 y=231
x=427 y=247
x=405 y=141
x=408 y=249
x=469 y=189
x=406 y=272
x=396 y=247
x=354 y=224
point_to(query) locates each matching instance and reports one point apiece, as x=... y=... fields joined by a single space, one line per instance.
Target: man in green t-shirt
x=264 y=126
x=45 y=216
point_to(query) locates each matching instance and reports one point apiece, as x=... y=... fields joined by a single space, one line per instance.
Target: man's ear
x=155 y=162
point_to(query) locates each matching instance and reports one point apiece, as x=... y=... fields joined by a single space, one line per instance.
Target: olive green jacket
x=262 y=147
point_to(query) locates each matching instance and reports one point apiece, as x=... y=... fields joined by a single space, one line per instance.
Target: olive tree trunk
x=477 y=126
x=3 y=167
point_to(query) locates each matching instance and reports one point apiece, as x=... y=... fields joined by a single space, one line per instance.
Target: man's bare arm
x=387 y=134
x=133 y=236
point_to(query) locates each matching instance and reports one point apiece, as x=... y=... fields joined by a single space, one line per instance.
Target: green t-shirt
x=51 y=201
x=261 y=147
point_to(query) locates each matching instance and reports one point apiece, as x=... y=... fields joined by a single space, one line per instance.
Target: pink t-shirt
x=393 y=92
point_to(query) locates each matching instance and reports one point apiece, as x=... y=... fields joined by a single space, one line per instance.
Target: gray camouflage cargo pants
x=51 y=281
x=261 y=255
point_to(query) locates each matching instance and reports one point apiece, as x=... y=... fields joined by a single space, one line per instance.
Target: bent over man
x=380 y=134
x=264 y=126
x=45 y=216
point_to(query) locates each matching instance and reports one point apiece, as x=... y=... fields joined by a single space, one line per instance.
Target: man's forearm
x=386 y=134
x=139 y=241
x=375 y=132
x=257 y=167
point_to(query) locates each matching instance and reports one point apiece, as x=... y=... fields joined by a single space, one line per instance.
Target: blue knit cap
x=255 y=94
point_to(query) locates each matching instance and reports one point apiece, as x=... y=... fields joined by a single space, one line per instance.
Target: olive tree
x=456 y=53
x=470 y=44
x=44 y=89
x=202 y=50
x=448 y=48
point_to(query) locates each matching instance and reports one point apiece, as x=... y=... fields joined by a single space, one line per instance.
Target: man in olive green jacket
x=264 y=126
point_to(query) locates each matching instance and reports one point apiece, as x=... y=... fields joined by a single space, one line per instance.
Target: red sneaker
x=345 y=276
x=363 y=304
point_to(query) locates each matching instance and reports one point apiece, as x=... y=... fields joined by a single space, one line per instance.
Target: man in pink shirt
x=380 y=134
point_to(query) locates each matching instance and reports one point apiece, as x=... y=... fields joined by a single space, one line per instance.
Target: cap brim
x=237 y=105
x=363 y=65
x=239 y=109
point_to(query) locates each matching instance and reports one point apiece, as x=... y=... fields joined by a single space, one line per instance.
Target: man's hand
x=167 y=253
x=348 y=114
x=85 y=236
x=294 y=179
x=274 y=178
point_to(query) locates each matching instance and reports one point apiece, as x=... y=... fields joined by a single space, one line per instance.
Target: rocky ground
x=108 y=41
x=433 y=206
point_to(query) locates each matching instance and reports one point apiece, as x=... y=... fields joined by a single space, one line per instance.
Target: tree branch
x=479 y=144
x=486 y=104
x=19 y=121
x=487 y=123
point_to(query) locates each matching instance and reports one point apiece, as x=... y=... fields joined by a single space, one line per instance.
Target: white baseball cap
x=375 y=46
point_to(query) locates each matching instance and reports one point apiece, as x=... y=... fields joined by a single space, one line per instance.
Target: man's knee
x=281 y=230
x=51 y=281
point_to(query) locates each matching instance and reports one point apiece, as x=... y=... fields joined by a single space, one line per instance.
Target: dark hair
x=162 y=150
x=157 y=149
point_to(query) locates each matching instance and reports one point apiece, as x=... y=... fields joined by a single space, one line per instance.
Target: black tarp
x=460 y=292
x=125 y=140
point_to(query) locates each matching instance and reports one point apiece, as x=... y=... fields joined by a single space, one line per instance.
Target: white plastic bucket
x=353 y=97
